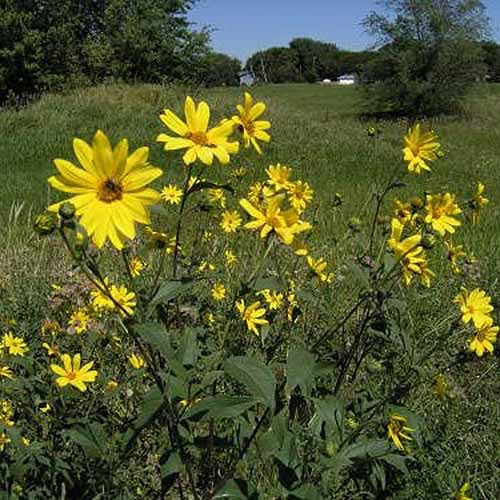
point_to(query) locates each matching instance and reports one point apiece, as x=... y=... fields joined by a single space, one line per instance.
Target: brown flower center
x=110 y=190
x=71 y=375
x=199 y=138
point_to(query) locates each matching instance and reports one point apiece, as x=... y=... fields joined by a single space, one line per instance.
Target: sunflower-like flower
x=484 y=339
x=318 y=267
x=440 y=210
x=201 y=143
x=16 y=346
x=252 y=315
x=397 y=430
x=171 y=194
x=110 y=193
x=410 y=254
x=230 y=221
x=279 y=176
x=74 y=374
x=420 y=149
x=218 y=292
x=299 y=195
x=269 y=217
x=455 y=253
x=475 y=306
x=253 y=130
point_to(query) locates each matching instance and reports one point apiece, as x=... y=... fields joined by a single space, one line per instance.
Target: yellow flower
x=420 y=148
x=253 y=130
x=15 y=346
x=187 y=403
x=396 y=429
x=440 y=208
x=78 y=320
x=73 y=374
x=4 y=439
x=52 y=350
x=474 y=306
x=273 y=299
x=110 y=190
x=216 y=197
x=270 y=217
x=252 y=315
x=231 y=221
x=126 y=300
x=50 y=326
x=455 y=252
x=318 y=267
x=478 y=202
x=111 y=385
x=206 y=267
x=219 y=292
x=279 y=176
x=136 y=267
x=6 y=372
x=231 y=259
x=6 y=413
x=25 y=441
x=461 y=493
x=201 y=144
x=239 y=172
x=403 y=211
x=137 y=361
x=485 y=337
x=171 y=194
x=410 y=254
x=45 y=408
x=299 y=194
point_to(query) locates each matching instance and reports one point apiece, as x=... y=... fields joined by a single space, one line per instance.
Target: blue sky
x=245 y=26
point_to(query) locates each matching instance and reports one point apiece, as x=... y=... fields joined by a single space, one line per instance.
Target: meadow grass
x=320 y=136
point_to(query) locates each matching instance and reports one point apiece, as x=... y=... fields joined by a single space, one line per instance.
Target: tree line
x=46 y=44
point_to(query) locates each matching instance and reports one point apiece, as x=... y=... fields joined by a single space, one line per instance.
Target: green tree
x=491 y=51
x=275 y=65
x=317 y=60
x=430 y=55
x=218 y=70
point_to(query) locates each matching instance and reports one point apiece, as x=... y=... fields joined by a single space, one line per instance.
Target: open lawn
x=318 y=134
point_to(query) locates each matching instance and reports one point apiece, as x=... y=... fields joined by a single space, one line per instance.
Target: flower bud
x=45 y=223
x=67 y=211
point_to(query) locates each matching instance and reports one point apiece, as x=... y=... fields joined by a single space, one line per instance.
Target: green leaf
x=171 y=290
x=173 y=465
x=187 y=352
x=91 y=438
x=156 y=335
x=257 y=377
x=332 y=411
x=397 y=461
x=300 y=368
x=236 y=489
x=270 y=283
x=201 y=185
x=305 y=492
x=221 y=407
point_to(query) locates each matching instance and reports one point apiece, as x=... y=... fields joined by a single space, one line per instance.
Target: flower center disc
x=71 y=375
x=110 y=190
x=199 y=138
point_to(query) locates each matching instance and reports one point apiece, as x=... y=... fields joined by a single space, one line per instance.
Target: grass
x=319 y=135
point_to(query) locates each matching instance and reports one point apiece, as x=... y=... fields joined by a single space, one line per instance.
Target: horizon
x=240 y=33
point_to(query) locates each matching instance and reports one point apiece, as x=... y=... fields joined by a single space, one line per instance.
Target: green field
x=318 y=134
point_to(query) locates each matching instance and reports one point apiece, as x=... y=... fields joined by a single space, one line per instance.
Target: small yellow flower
x=231 y=258
x=4 y=439
x=239 y=172
x=252 y=315
x=73 y=374
x=217 y=197
x=137 y=361
x=230 y=221
x=253 y=130
x=136 y=266
x=219 y=292
x=120 y=295
x=206 y=267
x=45 y=408
x=455 y=253
x=15 y=346
x=6 y=413
x=171 y=194
x=485 y=337
x=201 y=143
x=475 y=306
x=478 y=202
x=6 y=372
x=403 y=211
x=111 y=385
x=440 y=210
x=279 y=176
x=79 y=320
x=187 y=403
x=420 y=149
x=318 y=267
x=51 y=327
x=461 y=493
x=26 y=442
x=396 y=429
x=273 y=299
x=299 y=194
x=52 y=350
